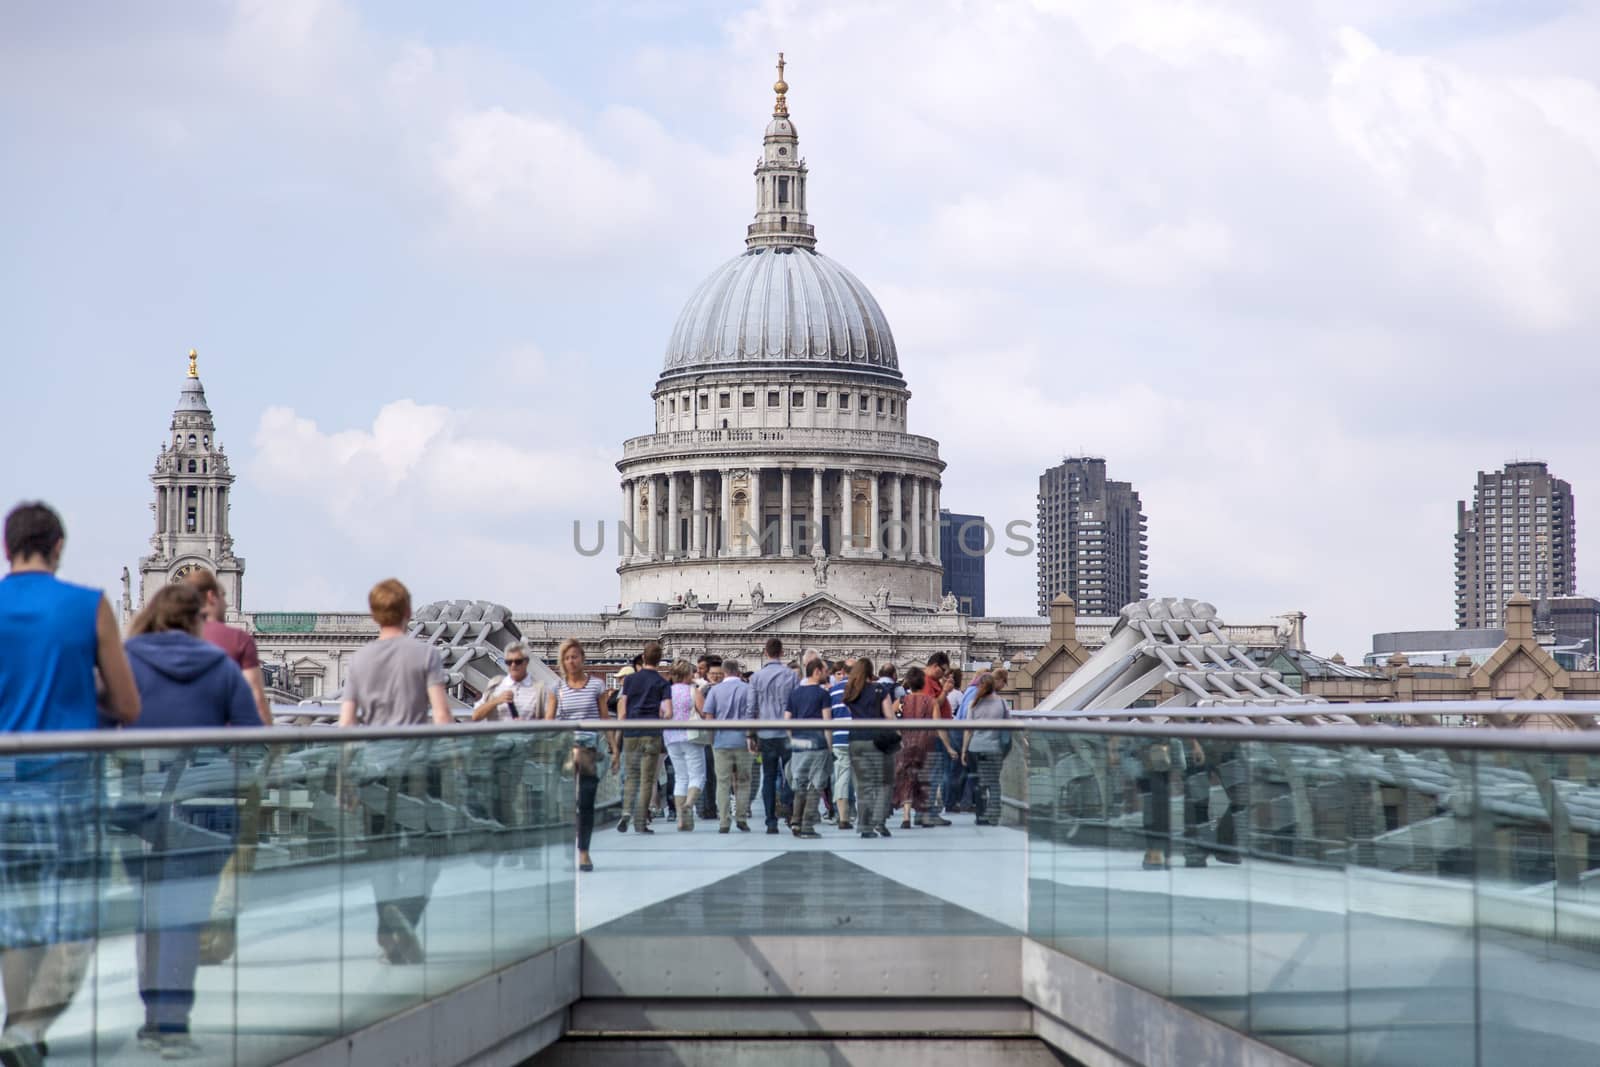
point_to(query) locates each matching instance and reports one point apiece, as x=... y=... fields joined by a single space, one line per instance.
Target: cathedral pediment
x=821 y=614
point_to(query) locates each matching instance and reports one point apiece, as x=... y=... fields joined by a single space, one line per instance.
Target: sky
x=1297 y=270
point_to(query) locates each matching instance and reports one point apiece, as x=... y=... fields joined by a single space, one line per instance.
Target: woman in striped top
x=580 y=697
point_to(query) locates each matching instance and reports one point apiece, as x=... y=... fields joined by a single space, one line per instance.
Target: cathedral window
x=205 y=440
x=797 y=400
x=193 y=466
x=863 y=403
x=783 y=190
x=672 y=406
x=191 y=440
x=822 y=400
x=844 y=401
x=772 y=398
x=724 y=400
x=894 y=407
x=705 y=401
x=748 y=400
x=880 y=405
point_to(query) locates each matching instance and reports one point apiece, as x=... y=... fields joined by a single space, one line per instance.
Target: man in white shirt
x=515 y=696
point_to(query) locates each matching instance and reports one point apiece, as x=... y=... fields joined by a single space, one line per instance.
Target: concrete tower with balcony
x=1518 y=536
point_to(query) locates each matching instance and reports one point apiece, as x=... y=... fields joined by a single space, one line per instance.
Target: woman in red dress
x=911 y=766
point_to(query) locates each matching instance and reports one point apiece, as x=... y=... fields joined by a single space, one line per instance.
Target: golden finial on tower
x=194 y=359
x=780 y=87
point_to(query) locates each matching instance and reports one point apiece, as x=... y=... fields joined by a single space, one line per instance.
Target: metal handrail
x=1373 y=735
x=1576 y=708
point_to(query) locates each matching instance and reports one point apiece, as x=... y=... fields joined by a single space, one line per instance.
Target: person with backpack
x=871 y=752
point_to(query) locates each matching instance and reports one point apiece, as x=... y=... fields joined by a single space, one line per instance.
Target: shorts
x=49 y=847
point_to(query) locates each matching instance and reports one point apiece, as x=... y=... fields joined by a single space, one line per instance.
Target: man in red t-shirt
x=239 y=645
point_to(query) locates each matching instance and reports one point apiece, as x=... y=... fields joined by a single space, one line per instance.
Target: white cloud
x=461 y=503
x=535 y=182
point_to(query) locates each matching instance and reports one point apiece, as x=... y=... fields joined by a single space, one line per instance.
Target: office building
x=963 y=541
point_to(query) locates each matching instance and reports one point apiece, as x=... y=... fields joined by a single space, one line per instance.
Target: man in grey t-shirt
x=395 y=681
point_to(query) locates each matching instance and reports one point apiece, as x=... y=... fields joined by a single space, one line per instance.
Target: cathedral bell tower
x=192 y=489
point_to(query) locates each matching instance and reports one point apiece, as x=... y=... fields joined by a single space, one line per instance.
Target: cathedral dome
x=781 y=305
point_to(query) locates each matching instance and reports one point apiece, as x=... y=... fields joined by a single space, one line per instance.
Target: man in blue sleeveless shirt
x=52 y=637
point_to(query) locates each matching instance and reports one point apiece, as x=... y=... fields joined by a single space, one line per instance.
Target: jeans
x=988 y=777
x=688 y=767
x=733 y=776
x=874 y=775
x=641 y=756
x=708 y=798
x=774 y=754
x=808 y=772
x=584 y=763
x=178 y=888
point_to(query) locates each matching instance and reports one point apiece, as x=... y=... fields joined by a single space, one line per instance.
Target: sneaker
x=178 y=1047
x=772 y=829
x=622 y=825
x=406 y=948
x=869 y=833
x=847 y=825
x=743 y=826
x=809 y=835
x=883 y=831
x=724 y=828
x=149 y=1038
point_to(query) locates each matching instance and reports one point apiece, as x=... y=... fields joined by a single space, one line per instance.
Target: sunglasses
x=516 y=662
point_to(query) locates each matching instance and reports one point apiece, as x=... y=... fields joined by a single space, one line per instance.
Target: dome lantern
x=780 y=220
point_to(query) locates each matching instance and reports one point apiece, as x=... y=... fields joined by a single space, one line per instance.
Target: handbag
x=697 y=737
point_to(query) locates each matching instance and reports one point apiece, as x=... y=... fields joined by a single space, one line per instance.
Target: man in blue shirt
x=809 y=749
x=732 y=752
x=52 y=637
x=771 y=686
x=646 y=694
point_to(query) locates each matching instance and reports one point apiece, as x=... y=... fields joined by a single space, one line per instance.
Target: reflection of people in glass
x=396 y=681
x=184 y=681
x=52 y=637
x=1223 y=761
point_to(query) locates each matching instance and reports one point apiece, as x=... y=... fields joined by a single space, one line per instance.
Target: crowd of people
x=65 y=666
x=852 y=780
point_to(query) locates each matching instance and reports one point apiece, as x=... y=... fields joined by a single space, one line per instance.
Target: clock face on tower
x=184 y=571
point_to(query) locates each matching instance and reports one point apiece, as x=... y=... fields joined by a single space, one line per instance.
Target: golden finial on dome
x=780 y=87
x=194 y=359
